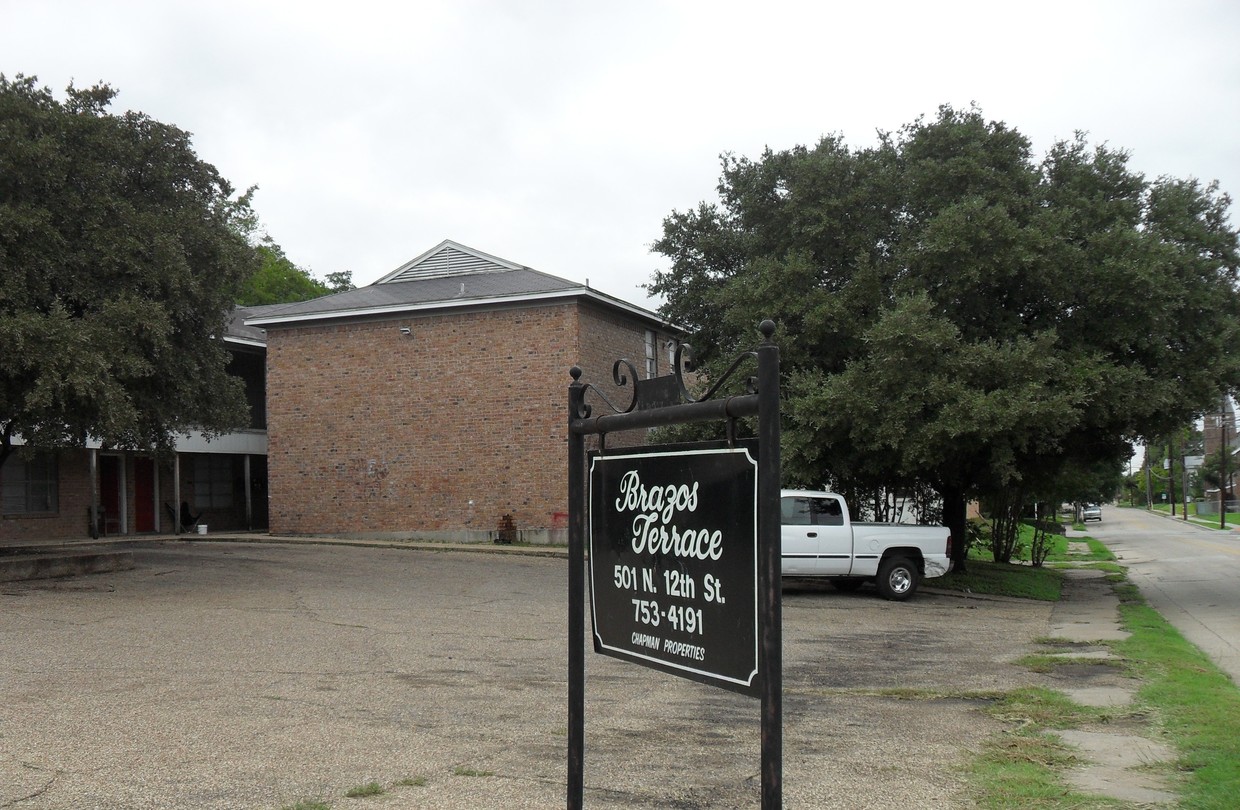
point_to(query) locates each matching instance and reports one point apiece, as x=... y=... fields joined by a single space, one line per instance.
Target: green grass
x=1196 y=704
x=1003 y=579
x=307 y=805
x=1233 y=518
x=413 y=781
x=1184 y=697
x=1022 y=770
x=985 y=576
x=1048 y=709
x=1098 y=551
x=1044 y=662
x=368 y=789
x=463 y=771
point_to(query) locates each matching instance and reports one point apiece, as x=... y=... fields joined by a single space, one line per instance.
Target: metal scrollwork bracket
x=652 y=401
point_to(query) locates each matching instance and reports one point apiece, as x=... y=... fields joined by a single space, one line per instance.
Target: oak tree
x=121 y=253
x=954 y=312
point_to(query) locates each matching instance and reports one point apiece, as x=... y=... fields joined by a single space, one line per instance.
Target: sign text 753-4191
x=673 y=561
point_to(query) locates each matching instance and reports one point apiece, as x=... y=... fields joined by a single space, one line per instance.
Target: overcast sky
x=559 y=134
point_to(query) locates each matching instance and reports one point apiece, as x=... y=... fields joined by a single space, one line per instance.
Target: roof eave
x=457 y=303
x=258 y=344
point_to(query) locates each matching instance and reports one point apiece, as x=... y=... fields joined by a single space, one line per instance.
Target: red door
x=144 y=495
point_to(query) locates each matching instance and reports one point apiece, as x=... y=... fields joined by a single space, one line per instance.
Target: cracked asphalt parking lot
x=228 y=675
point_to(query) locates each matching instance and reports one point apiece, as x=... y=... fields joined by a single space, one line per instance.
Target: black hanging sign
x=674 y=560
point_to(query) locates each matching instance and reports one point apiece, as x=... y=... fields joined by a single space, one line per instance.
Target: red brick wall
x=373 y=431
x=605 y=338
x=70 y=521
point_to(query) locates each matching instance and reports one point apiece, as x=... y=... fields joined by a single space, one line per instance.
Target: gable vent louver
x=447 y=262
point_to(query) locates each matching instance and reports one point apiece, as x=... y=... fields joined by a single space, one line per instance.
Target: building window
x=213 y=482
x=652 y=357
x=29 y=485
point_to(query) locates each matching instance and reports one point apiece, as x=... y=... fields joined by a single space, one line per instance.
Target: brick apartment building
x=51 y=495
x=433 y=402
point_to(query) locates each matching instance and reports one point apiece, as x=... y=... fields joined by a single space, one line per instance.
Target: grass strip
x=1196 y=704
x=1183 y=694
x=1003 y=579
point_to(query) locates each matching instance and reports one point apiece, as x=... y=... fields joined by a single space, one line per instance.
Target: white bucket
x=202 y=528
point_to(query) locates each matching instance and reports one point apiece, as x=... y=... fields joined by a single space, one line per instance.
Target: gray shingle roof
x=236 y=328
x=425 y=283
x=444 y=289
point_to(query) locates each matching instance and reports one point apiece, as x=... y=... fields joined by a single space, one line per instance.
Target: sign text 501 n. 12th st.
x=673 y=561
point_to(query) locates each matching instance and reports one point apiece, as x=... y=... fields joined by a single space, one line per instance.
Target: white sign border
x=659 y=662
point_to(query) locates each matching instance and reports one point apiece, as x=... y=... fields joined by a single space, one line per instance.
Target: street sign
x=674 y=560
x=684 y=543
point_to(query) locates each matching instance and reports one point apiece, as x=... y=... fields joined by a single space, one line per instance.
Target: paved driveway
x=253 y=676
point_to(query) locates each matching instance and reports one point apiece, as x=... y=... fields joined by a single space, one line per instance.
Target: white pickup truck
x=819 y=540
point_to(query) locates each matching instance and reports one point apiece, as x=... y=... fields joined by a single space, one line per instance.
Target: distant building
x=1220 y=428
x=433 y=403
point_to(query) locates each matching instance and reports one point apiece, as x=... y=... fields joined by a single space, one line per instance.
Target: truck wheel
x=897 y=578
x=848 y=584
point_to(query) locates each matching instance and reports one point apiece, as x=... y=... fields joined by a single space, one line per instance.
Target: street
x=1187 y=573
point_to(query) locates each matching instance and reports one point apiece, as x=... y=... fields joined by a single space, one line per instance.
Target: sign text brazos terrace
x=673 y=560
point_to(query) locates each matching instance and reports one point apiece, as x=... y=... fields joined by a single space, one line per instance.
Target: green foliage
x=340 y=281
x=1005 y=509
x=1217 y=467
x=279 y=281
x=1041 y=543
x=953 y=313
x=121 y=253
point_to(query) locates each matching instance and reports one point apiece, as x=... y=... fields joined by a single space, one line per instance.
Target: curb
x=411 y=545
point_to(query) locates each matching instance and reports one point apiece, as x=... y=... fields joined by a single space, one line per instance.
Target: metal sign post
x=684 y=547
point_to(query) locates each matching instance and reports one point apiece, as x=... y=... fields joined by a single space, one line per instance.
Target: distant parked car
x=1092 y=512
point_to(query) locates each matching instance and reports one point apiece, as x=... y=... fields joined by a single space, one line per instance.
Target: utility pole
x=1222 y=472
x=1171 y=475
x=1184 y=482
x=1149 y=482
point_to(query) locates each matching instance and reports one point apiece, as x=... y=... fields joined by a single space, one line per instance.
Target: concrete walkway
x=1117 y=756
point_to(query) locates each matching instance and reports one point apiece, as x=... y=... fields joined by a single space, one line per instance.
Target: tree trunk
x=6 y=443
x=954 y=520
